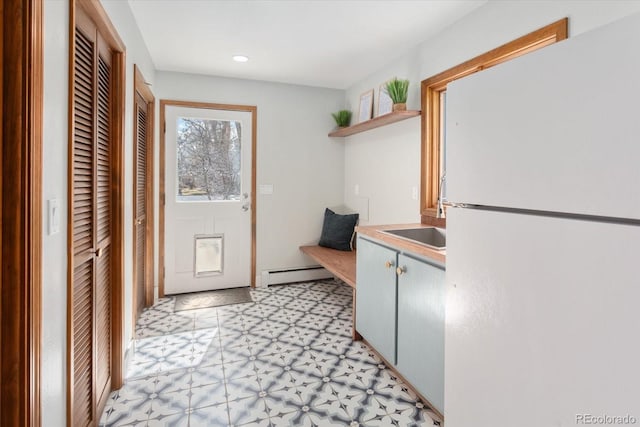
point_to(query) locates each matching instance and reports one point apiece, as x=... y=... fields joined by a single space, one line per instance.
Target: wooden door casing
x=21 y=97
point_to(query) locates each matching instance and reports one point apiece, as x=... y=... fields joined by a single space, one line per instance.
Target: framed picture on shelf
x=385 y=104
x=366 y=106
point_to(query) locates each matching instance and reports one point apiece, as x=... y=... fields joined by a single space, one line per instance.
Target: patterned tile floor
x=287 y=359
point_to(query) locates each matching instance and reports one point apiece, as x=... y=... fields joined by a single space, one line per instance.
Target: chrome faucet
x=440 y=211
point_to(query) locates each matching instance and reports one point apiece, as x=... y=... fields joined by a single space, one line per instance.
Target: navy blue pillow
x=338 y=230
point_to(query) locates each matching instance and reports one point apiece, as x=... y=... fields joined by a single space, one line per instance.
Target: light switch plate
x=266 y=188
x=54 y=216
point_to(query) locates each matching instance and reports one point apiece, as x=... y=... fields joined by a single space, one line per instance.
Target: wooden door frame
x=21 y=250
x=161 y=218
x=140 y=86
x=99 y=16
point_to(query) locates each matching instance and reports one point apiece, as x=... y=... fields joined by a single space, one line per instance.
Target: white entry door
x=208 y=201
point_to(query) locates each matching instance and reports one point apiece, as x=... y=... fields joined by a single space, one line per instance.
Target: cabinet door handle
x=401 y=270
x=389 y=264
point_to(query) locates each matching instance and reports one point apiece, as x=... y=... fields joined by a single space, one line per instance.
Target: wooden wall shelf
x=376 y=122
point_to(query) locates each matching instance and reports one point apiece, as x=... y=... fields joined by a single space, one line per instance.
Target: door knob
x=245 y=207
x=99 y=252
x=401 y=270
x=139 y=221
x=389 y=264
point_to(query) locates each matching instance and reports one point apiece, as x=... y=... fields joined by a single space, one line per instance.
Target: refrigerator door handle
x=457 y=205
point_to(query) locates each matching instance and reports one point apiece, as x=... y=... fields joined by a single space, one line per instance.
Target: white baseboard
x=292 y=275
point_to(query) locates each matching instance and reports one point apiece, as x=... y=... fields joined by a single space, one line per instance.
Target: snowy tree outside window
x=209 y=160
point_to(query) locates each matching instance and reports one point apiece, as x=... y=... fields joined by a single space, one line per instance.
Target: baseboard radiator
x=291 y=275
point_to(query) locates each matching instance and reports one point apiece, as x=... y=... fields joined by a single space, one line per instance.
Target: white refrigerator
x=543 y=244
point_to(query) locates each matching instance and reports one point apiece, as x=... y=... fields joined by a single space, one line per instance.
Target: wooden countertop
x=374 y=231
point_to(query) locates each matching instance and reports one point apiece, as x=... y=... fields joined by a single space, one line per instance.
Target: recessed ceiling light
x=240 y=58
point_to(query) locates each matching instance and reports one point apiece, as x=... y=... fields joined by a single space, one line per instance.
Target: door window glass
x=209 y=161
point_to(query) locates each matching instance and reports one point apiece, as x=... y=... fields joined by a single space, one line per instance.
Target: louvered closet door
x=103 y=207
x=141 y=201
x=83 y=230
x=91 y=211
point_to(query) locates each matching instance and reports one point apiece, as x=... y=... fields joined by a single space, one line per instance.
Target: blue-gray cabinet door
x=376 y=297
x=421 y=299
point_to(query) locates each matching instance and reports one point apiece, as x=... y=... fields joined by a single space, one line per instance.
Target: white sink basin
x=432 y=237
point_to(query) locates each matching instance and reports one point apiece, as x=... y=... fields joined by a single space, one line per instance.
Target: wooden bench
x=343 y=265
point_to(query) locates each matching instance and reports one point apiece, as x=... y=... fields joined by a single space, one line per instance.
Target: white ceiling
x=327 y=43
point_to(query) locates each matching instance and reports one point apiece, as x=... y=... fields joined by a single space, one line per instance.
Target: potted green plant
x=397 y=90
x=342 y=118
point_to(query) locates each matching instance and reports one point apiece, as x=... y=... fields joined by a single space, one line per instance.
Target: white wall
x=54 y=274
x=489 y=26
x=294 y=154
x=54 y=186
x=385 y=166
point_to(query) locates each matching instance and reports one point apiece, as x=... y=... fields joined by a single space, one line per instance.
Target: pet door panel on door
x=208 y=254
